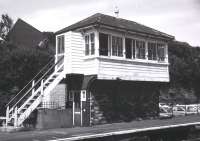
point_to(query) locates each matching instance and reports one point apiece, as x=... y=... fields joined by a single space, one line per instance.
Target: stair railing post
x=33 y=90
x=7 y=116
x=56 y=59
x=42 y=90
x=15 y=118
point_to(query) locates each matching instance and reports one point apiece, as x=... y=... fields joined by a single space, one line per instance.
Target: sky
x=180 y=18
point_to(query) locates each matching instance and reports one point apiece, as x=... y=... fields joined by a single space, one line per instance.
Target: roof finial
x=116 y=11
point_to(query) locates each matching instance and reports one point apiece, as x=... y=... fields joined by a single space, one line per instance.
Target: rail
x=30 y=82
x=19 y=97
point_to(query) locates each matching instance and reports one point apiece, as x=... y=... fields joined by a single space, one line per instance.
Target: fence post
x=33 y=84
x=7 y=116
x=15 y=118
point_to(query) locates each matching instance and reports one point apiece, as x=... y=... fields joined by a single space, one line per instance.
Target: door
x=77 y=109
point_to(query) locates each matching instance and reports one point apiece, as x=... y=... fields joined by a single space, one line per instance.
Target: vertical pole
x=81 y=107
x=15 y=118
x=166 y=54
x=73 y=108
x=90 y=107
x=123 y=46
x=7 y=116
x=96 y=43
x=146 y=50
x=56 y=59
x=185 y=110
x=33 y=84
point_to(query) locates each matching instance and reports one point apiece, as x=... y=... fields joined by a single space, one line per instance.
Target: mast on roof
x=116 y=12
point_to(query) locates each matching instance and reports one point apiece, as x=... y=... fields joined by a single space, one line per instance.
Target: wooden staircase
x=30 y=97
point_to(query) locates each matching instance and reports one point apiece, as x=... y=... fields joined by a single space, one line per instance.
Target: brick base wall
x=114 y=101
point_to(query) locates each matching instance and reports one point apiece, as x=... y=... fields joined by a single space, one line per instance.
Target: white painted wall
x=109 y=67
x=132 y=70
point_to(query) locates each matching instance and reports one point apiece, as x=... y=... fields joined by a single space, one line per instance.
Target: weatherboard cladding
x=119 y=23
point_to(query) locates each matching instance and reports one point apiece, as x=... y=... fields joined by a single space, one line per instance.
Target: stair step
x=33 y=99
x=24 y=108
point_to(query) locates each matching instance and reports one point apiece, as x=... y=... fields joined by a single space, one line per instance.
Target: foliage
x=17 y=67
x=5 y=25
x=184 y=73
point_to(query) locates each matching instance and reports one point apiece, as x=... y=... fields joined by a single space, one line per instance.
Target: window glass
x=117 y=48
x=133 y=48
x=152 y=51
x=60 y=44
x=128 y=47
x=161 y=52
x=103 y=44
x=92 y=43
x=87 y=45
x=140 y=49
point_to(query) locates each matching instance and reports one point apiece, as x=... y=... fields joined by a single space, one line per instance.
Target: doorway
x=77 y=108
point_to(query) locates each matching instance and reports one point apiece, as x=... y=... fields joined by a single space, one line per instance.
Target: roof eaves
x=75 y=28
x=125 y=29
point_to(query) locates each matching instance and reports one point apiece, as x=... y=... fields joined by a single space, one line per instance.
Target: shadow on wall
x=125 y=101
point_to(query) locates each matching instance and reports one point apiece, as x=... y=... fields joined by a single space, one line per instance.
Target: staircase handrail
x=37 y=81
x=30 y=81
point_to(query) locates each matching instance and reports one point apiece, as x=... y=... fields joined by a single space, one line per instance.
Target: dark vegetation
x=17 y=67
x=184 y=86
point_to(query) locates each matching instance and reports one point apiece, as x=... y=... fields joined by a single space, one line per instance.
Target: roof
x=118 y=23
x=24 y=34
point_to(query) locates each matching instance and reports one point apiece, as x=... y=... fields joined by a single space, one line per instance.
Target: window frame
x=90 y=44
x=133 y=48
x=111 y=46
x=163 y=47
x=108 y=47
x=60 y=44
x=152 y=58
x=136 y=51
x=134 y=41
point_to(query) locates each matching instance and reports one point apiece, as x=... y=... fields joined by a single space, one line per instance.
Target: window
x=117 y=48
x=60 y=44
x=130 y=48
x=103 y=44
x=92 y=43
x=152 y=51
x=161 y=52
x=140 y=49
x=89 y=44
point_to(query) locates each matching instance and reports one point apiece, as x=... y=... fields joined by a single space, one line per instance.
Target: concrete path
x=78 y=133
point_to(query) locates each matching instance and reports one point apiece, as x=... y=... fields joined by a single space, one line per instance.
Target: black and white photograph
x=100 y=70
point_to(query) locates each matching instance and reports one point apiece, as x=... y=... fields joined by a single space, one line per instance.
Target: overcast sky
x=180 y=18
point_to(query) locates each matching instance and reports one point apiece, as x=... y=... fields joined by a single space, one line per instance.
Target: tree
x=17 y=67
x=5 y=25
